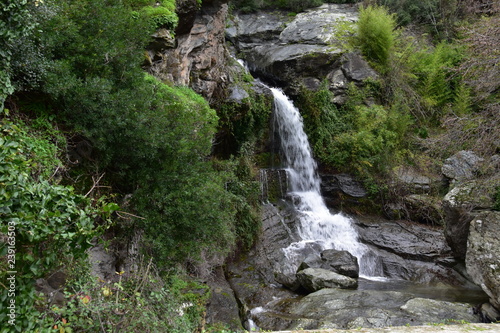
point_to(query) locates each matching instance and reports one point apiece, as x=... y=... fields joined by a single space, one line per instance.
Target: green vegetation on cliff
x=132 y=154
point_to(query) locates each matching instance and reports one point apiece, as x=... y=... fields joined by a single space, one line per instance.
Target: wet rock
x=488 y=313
x=424 y=208
x=222 y=306
x=253 y=275
x=312 y=261
x=482 y=260
x=295 y=256
x=408 y=240
x=460 y=206
x=433 y=311
x=462 y=166
x=314 y=279
x=341 y=262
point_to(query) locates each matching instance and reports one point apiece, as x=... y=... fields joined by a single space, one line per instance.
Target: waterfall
x=317 y=224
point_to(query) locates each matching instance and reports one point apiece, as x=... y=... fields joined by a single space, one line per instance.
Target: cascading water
x=317 y=224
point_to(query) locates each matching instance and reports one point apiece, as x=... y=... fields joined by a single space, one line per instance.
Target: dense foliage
x=293 y=5
x=81 y=68
x=47 y=223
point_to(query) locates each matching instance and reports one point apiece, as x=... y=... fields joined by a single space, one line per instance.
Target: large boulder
x=342 y=190
x=460 y=206
x=462 y=166
x=407 y=240
x=428 y=310
x=353 y=309
x=314 y=279
x=482 y=259
x=341 y=262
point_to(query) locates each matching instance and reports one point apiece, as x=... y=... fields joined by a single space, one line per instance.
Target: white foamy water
x=317 y=224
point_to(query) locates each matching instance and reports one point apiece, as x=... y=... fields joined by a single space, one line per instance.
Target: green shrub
x=437 y=84
x=364 y=137
x=161 y=17
x=376 y=35
x=47 y=223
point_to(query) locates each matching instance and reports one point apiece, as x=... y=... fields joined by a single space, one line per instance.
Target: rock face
x=341 y=262
x=264 y=280
x=222 y=305
x=347 y=309
x=460 y=206
x=274 y=184
x=199 y=57
x=340 y=188
x=482 y=259
x=299 y=51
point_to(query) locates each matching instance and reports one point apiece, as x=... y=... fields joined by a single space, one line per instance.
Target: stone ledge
x=486 y=328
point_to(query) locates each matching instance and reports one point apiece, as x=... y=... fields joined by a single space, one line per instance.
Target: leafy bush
x=437 y=82
x=135 y=301
x=242 y=122
x=359 y=136
x=375 y=35
x=161 y=16
x=48 y=223
x=16 y=21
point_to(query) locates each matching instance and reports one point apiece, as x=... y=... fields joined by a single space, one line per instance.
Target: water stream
x=317 y=224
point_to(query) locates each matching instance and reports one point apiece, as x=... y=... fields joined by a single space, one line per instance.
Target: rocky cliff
x=458 y=227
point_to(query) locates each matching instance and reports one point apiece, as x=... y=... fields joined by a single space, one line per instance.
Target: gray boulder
x=408 y=240
x=314 y=279
x=414 y=181
x=482 y=259
x=341 y=262
x=462 y=166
